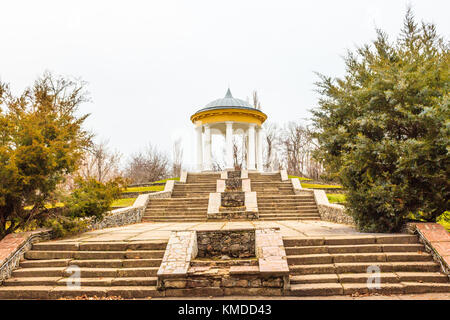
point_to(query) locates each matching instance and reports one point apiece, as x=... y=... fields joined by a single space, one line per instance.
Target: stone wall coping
x=246 y=185
x=220 y=185
x=284 y=175
x=169 y=185
x=183 y=176
x=244 y=174
x=14 y=245
x=214 y=203
x=437 y=240
x=224 y=175
x=296 y=185
x=251 y=202
x=237 y=229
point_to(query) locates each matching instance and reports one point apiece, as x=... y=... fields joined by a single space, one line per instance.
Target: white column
x=251 y=146
x=208 y=160
x=229 y=145
x=259 y=150
x=198 y=134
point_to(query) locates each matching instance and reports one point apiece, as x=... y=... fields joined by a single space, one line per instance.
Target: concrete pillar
x=198 y=134
x=259 y=150
x=229 y=145
x=251 y=147
x=208 y=158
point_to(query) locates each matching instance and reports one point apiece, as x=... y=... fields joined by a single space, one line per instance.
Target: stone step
x=316 y=289
x=84 y=255
x=279 y=218
x=100 y=246
x=385 y=277
x=357 y=257
x=44 y=263
x=178 y=200
x=184 y=219
x=288 y=205
x=361 y=267
x=314 y=278
x=110 y=263
x=175 y=212
x=178 y=206
x=49 y=292
x=191 y=210
x=59 y=281
x=86 y=272
x=350 y=240
x=364 y=248
x=287 y=213
x=168 y=216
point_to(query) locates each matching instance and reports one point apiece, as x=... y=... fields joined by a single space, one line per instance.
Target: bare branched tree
x=256 y=102
x=272 y=146
x=177 y=158
x=100 y=163
x=147 y=166
x=298 y=146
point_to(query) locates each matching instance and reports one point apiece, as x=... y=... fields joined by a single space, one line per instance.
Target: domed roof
x=227 y=102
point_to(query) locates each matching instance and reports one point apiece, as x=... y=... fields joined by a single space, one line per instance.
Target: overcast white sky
x=151 y=64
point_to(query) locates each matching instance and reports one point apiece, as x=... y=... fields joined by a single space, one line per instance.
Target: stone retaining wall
x=330 y=211
x=235 y=244
x=436 y=241
x=14 y=246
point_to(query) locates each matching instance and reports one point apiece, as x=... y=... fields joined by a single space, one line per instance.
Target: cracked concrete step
x=83 y=255
x=49 y=292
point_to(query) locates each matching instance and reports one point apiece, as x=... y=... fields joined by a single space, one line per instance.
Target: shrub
x=92 y=198
x=64 y=226
x=383 y=128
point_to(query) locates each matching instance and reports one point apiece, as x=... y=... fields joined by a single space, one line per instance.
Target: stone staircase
x=189 y=202
x=339 y=266
x=125 y=269
x=277 y=200
x=176 y=210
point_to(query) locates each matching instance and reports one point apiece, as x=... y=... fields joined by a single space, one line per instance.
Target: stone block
x=246 y=185
x=175 y=284
x=220 y=185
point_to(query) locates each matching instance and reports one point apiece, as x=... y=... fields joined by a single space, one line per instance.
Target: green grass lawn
x=299 y=178
x=336 y=197
x=320 y=186
x=126 y=202
x=144 y=189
